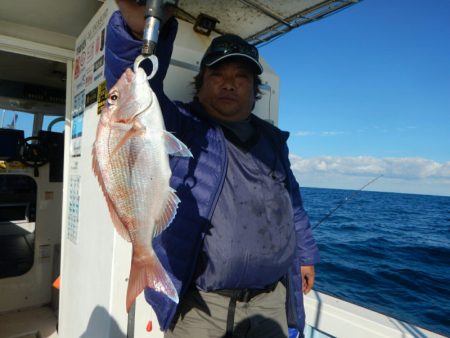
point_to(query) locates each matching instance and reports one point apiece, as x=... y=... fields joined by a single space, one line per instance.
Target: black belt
x=244 y=295
x=240 y=295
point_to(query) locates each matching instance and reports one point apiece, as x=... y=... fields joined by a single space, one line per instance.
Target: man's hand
x=308 y=276
x=133 y=15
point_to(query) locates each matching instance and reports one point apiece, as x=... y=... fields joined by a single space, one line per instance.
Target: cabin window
x=17 y=120
x=17 y=224
x=25 y=121
x=53 y=123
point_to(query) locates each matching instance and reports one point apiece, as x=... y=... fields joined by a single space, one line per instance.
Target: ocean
x=389 y=252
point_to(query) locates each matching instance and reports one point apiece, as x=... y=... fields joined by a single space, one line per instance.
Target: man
x=241 y=236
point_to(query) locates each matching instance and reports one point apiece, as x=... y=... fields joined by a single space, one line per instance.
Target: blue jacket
x=198 y=180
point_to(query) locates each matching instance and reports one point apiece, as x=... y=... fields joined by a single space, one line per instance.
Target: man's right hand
x=133 y=15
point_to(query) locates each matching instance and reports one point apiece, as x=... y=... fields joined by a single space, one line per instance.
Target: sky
x=366 y=92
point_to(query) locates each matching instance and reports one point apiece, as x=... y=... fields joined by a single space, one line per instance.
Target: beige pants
x=204 y=315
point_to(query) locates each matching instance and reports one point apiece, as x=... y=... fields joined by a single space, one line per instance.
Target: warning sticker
x=102 y=95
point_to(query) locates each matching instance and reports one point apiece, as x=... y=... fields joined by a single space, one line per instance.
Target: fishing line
x=344 y=200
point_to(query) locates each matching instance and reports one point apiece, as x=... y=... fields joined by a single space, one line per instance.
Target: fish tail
x=151 y=274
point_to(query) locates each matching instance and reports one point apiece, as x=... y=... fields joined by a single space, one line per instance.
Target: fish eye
x=114 y=96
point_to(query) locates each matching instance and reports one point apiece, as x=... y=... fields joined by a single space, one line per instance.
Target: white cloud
x=401 y=174
x=331 y=133
x=376 y=129
x=407 y=128
x=303 y=133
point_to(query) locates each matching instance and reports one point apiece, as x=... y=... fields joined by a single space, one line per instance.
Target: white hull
x=329 y=316
x=326 y=316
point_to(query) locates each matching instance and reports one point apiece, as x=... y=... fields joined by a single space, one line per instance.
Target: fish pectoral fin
x=148 y=273
x=167 y=214
x=174 y=146
x=134 y=131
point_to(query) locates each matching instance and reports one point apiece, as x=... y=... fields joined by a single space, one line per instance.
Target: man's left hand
x=308 y=276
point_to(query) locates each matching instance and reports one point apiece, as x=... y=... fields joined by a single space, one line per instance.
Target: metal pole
x=131 y=317
x=153 y=17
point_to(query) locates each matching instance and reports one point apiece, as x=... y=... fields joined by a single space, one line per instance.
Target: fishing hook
x=152 y=58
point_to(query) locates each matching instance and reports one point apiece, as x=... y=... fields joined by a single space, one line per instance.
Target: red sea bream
x=130 y=160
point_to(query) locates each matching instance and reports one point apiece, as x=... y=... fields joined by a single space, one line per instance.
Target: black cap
x=230 y=45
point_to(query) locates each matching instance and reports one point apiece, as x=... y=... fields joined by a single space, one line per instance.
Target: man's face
x=227 y=91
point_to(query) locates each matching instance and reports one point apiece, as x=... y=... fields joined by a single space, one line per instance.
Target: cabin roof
x=256 y=20
x=259 y=21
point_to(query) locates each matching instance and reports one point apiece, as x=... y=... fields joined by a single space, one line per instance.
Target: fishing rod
x=345 y=200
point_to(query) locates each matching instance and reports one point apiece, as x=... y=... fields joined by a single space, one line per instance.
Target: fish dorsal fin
x=168 y=213
x=174 y=146
x=120 y=228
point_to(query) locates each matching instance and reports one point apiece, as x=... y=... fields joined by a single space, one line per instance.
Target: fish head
x=129 y=97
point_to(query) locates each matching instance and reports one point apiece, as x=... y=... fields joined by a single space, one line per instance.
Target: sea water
x=388 y=252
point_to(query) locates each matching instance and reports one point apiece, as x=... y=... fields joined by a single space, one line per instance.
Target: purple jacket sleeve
x=307 y=250
x=121 y=50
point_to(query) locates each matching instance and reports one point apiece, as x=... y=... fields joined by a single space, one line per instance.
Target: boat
x=53 y=218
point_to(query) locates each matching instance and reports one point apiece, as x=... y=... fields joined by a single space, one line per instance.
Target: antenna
x=344 y=200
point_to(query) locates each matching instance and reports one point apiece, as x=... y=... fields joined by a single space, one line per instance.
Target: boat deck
x=32 y=323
